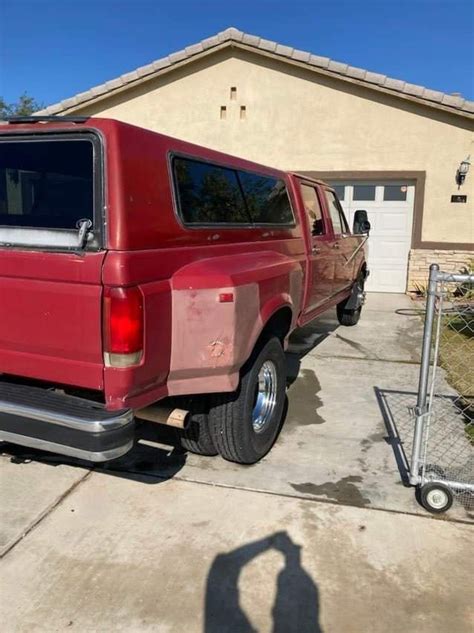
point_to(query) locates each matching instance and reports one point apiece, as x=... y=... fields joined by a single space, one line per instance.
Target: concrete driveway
x=321 y=535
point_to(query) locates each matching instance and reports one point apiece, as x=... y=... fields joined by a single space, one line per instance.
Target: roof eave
x=231 y=38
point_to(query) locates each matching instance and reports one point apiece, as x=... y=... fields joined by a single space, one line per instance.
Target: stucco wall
x=298 y=120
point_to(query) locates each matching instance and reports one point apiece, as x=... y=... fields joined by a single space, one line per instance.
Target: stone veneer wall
x=420 y=260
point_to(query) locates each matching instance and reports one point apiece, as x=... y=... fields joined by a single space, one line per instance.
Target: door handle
x=336 y=245
x=315 y=249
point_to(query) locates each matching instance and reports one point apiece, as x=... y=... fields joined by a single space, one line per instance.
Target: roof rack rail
x=54 y=118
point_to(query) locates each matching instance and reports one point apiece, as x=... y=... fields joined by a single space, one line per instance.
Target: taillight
x=123 y=326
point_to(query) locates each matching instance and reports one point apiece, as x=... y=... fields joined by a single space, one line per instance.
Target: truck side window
x=209 y=194
x=266 y=198
x=338 y=218
x=313 y=209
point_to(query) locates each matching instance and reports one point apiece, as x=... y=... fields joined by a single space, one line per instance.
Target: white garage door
x=390 y=209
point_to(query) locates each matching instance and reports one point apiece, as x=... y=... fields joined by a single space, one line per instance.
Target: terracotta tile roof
x=234 y=37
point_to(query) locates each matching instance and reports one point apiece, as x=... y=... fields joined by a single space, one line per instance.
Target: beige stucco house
x=391 y=147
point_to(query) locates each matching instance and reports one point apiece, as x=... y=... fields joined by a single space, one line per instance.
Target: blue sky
x=54 y=49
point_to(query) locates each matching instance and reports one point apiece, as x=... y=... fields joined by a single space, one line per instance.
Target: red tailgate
x=51 y=315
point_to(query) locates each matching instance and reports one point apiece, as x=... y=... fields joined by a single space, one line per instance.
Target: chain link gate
x=442 y=460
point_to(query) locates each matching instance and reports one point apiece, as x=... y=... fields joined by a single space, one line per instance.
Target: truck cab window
x=339 y=222
x=313 y=210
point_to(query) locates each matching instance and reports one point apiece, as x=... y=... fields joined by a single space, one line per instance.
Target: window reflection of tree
x=209 y=194
x=266 y=199
x=220 y=199
x=313 y=210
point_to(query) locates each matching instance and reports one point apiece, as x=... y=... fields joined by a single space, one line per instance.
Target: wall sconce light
x=462 y=171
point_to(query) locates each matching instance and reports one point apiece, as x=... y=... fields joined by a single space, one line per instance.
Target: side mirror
x=361 y=222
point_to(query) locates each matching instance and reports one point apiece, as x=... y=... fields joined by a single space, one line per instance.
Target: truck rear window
x=211 y=194
x=46 y=183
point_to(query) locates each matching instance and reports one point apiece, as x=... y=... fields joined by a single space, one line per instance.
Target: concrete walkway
x=319 y=536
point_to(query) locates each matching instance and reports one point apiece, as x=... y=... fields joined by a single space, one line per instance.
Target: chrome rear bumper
x=56 y=422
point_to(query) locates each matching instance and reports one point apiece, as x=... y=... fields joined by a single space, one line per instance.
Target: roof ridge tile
x=317 y=60
x=267 y=45
x=230 y=34
x=338 y=67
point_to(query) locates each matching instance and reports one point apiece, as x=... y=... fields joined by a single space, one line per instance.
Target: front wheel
x=245 y=424
x=348 y=317
x=345 y=315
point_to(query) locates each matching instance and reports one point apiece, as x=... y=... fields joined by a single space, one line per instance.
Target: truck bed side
x=214 y=309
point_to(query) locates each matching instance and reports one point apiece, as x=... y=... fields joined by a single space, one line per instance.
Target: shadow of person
x=296 y=606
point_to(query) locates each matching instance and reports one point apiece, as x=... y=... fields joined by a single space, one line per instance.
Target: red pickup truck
x=136 y=267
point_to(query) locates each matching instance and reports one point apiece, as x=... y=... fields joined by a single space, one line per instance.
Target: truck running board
x=68 y=425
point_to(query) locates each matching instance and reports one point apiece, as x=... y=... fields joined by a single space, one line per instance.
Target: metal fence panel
x=442 y=460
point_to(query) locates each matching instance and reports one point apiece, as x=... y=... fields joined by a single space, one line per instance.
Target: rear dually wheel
x=245 y=424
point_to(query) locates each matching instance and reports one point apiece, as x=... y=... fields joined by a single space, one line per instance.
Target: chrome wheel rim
x=265 y=396
x=437 y=498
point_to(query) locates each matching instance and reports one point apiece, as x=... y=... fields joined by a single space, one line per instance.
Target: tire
x=436 y=498
x=347 y=317
x=350 y=317
x=196 y=438
x=240 y=434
